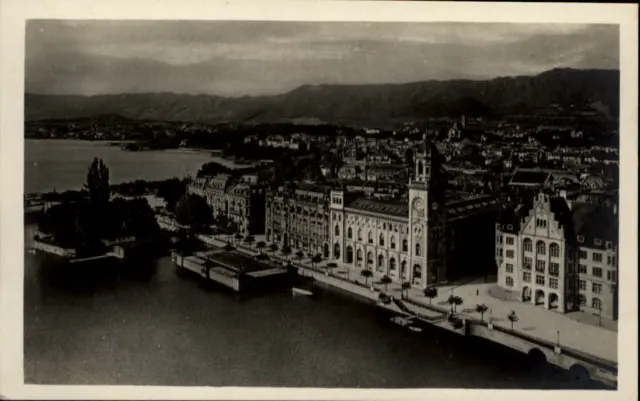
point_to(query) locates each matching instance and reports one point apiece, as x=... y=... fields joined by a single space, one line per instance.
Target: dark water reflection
x=141 y=324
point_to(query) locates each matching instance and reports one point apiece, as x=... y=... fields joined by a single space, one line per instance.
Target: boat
x=300 y=291
x=401 y=321
x=406 y=322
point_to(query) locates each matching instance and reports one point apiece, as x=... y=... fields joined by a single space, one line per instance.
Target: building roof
x=471 y=205
x=530 y=177
x=390 y=207
x=594 y=222
x=313 y=188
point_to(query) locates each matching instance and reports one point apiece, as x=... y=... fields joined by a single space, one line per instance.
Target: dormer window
x=509 y=226
x=580 y=239
x=598 y=241
x=609 y=245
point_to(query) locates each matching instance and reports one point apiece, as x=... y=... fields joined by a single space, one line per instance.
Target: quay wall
x=54 y=249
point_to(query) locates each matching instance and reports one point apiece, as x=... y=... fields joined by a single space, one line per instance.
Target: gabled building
x=559 y=254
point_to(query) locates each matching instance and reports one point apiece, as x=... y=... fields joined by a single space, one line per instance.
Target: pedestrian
x=477 y=292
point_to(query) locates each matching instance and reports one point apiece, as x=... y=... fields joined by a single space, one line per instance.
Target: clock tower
x=427 y=218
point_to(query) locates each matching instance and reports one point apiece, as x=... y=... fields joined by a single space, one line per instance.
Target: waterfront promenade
x=533 y=321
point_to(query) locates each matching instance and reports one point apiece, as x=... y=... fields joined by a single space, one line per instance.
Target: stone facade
x=239 y=202
x=547 y=253
x=298 y=217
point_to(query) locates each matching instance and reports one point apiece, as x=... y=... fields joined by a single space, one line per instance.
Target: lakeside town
x=322 y=204
x=489 y=218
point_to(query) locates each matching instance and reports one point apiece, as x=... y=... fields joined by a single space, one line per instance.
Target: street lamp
x=558 y=338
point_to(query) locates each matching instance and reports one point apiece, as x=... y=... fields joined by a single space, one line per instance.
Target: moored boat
x=300 y=291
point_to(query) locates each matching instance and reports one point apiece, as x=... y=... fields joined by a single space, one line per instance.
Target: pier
x=233 y=270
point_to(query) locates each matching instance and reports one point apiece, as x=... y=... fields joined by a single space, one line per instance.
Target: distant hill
x=351 y=104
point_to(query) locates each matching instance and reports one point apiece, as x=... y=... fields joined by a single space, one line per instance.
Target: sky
x=229 y=58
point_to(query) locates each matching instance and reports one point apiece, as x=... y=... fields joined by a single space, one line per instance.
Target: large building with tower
x=433 y=236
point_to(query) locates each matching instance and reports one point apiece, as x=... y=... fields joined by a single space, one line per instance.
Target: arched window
x=417 y=271
x=417 y=249
x=540 y=248
x=420 y=168
x=381 y=239
x=369 y=258
x=337 y=230
x=359 y=234
x=349 y=233
x=392 y=265
x=359 y=255
x=528 y=245
x=403 y=269
x=596 y=303
x=349 y=254
x=509 y=282
x=336 y=251
x=405 y=245
x=370 y=237
x=392 y=242
x=554 y=250
x=380 y=262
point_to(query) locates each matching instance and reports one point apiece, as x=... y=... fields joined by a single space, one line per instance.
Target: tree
x=171 y=191
x=386 y=280
x=273 y=247
x=98 y=182
x=457 y=301
x=405 y=289
x=249 y=239
x=430 y=292
x=331 y=265
x=512 y=318
x=299 y=255
x=481 y=309
x=317 y=258
x=366 y=274
x=238 y=237
x=194 y=212
x=261 y=245
x=454 y=301
x=286 y=250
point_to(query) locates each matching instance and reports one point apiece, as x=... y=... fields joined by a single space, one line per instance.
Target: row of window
x=541 y=249
x=597 y=272
x=597 y=241
x=381 y=240
x=540 y=280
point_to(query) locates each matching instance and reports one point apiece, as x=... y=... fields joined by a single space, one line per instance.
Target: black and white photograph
x=323 y=204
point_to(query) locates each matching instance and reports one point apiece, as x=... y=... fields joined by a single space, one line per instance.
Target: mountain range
x=375 y=104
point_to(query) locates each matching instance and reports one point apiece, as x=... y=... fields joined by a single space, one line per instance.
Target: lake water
x=62 y=164
x=120 y=327
x=114 y=326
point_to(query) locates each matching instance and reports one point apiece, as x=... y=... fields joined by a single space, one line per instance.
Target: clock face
x=418 y=205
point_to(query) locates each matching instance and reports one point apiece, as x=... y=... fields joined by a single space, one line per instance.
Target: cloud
x=240 y=58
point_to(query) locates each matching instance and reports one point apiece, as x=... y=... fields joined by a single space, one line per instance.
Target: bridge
x=578 y=363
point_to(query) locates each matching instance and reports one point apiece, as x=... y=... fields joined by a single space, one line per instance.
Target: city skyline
x=266 y=58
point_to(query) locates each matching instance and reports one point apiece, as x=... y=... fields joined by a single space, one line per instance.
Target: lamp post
x=558 y=338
